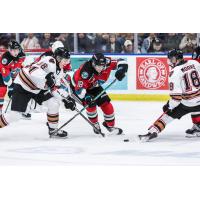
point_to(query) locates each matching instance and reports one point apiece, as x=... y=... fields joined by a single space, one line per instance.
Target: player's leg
x=53 y=118
x=104 y=102
x=195 y=130
x=20 y=99
x=159 y=125
x=26 y=115
x=3 y=90
x=93 y=117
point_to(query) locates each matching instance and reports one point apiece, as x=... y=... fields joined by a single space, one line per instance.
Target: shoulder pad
x=86 y=71
x=6 y=58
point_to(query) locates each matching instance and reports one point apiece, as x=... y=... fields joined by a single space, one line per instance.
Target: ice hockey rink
x=27 y=143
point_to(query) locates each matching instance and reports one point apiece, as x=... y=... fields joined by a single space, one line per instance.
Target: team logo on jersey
x=4 y=61
x=152 y=73
x=84 y=75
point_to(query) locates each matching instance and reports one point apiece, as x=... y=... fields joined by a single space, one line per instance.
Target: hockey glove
x=166 y=107
x=89 y=101
x=121 y=71
x=43 y=96
x=50 y=80
x=69 y=103
x=10 y=90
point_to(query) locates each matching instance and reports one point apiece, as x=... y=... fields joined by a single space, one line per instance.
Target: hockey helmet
x=14 y=45
x=60 y=53
x=56 y=45
x=98 y=59
x=178 y=54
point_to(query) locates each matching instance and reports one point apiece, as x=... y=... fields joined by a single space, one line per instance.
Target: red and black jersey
x=10 y=67
x=87 y=78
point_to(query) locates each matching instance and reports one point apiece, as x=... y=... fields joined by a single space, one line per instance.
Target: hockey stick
x=128 y=140
x=8 y=105
x=85 y=106
x=89 y=122
x=82 y=115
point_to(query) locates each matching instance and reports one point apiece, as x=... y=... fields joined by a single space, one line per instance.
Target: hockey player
x=32 y=82
x=184 y=84
x=10 y=64
x=54 y=46
x=86 y=84
x=66 y=68
x=195 y=130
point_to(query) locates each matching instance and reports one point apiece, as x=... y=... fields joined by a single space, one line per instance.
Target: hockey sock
x=160 y=123
x=3 y=91
x=108 y=112
x=8 y=118
x=92 y=114
x=53 y=120
x=195 y=118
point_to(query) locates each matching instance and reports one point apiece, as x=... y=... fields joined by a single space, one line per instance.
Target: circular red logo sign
x=152 y=73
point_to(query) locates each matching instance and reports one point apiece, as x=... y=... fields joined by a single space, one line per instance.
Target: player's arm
x=5 y=71
x=80 y=82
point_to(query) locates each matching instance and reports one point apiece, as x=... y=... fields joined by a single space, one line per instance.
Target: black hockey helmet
x=196 y=53
x=14 y=45
x=98 y=59
x=178 y=54
x=60 y=53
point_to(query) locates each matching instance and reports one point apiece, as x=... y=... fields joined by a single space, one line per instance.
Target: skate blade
x=57 y=137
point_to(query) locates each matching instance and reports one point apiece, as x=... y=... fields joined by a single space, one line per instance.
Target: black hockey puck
x=126 y=140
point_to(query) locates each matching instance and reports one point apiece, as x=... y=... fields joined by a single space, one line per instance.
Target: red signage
x=152 y=73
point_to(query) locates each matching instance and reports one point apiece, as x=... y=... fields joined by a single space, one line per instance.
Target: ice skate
x=53 y=133
x=193 y=132
x=147 y=137
x=113 y=130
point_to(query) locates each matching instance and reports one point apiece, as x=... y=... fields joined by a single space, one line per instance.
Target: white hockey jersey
x=184 y=84
x=32 y=78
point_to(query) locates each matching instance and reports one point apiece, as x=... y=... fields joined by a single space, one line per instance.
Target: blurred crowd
x=106 y=42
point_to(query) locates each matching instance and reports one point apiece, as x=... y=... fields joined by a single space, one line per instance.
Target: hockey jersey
x=86 y=78
x=33 y=77
x=184 y=84
x=10 y=67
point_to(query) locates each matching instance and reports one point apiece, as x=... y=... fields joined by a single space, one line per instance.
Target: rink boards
x=147 y=77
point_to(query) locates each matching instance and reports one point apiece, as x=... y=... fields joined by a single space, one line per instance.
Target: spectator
x=30 y=42
x=128 y=47
x=188 y=42
x=101 y=40
x=67 y=40
x=157 y=46
x=172 y=41
x=113 y=46
x=46 y=41
x=84 y=43
x=147 y=43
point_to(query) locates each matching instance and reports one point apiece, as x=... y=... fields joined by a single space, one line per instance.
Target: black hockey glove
x=50 y=80
x=10 y=90
x=166 y=107
x=43 y=96
x=69 y=103
x=10 y=93
x=89 y=101
x=121 y=71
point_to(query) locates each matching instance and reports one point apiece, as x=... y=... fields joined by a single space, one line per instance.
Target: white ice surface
x=27 y=143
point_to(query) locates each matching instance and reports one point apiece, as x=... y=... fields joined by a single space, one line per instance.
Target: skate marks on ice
x=27 y=142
